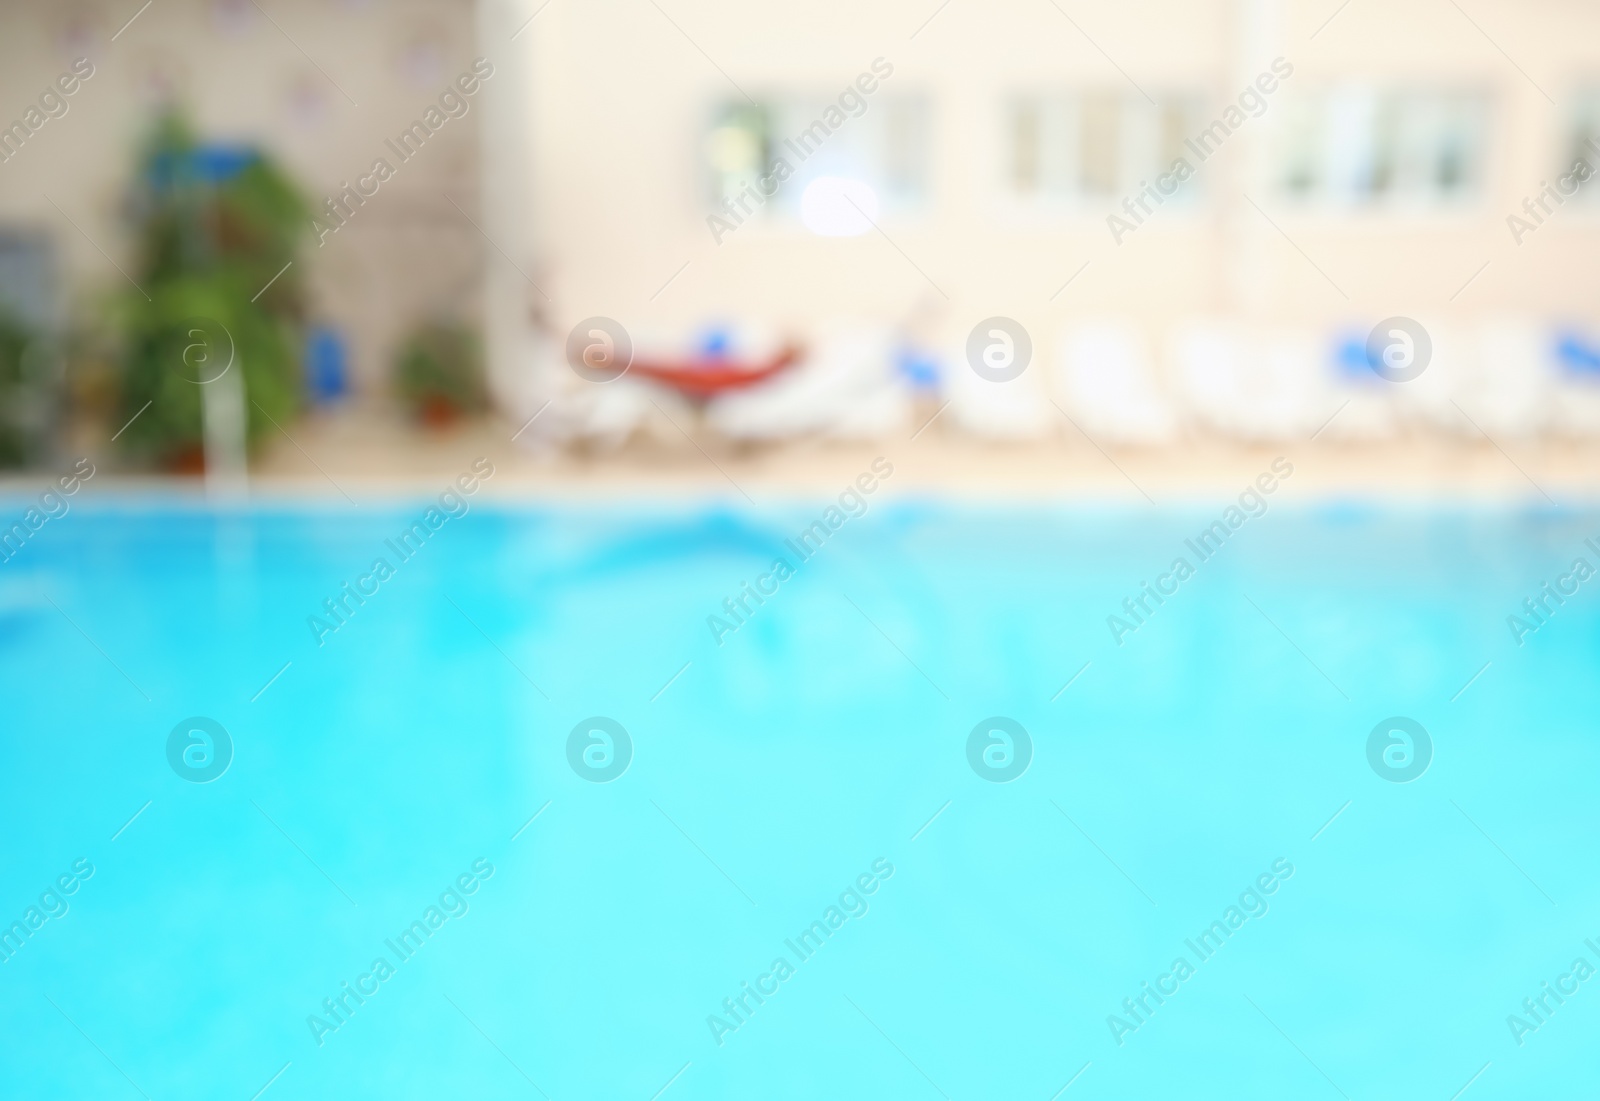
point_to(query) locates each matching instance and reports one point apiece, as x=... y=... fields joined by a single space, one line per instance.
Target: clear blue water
x=818 y=739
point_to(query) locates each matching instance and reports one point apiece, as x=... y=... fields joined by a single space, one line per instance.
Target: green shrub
x=27 y=393
x=439 y=373
x=215 y=225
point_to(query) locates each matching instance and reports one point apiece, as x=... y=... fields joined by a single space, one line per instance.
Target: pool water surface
x=552 y=805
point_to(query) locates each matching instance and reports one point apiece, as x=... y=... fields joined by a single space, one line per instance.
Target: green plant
x=215 y=225
x=439 y=372
x=26 y=392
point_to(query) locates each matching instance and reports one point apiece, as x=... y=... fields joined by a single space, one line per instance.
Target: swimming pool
x=581 y=822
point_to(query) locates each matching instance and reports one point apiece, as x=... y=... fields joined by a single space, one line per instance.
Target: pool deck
x=371 y=453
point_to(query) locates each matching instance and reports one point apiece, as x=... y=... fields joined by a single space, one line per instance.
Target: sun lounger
x=1105 y=380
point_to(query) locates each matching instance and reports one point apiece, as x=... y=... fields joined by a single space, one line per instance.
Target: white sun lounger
x=1492 y=379
x=1002 y=411
x=1104 y=378
x=1254 y=385
x=1512 y=391
x=844 y=388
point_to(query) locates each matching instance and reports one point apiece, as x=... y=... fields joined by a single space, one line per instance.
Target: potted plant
x=439 y=373
x=216 y=225
x=28 y=396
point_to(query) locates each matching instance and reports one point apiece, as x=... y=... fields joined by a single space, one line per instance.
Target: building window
x=1093 y=147
x=873 y=145
x=1583 y=140
x=738 y=150
x=1372 y=147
